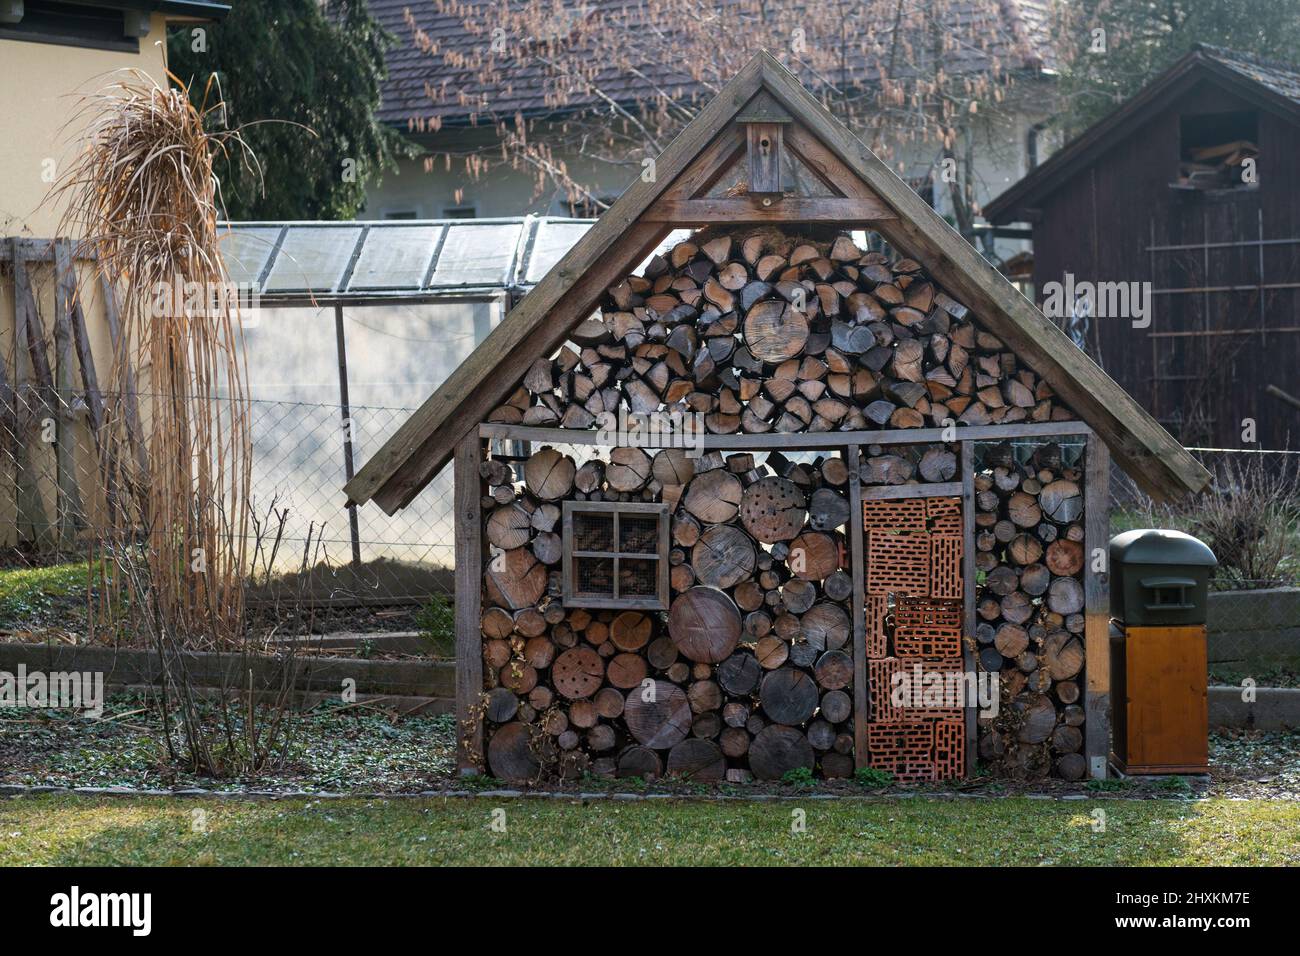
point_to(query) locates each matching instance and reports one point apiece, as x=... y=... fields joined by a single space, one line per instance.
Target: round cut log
x=629 y=469
x=704 y=624
x=698 y=760
x=714 y=497
x=834 y=670
x=549 y=474
x=658 y=715
x=773 y=509
x=814 y=555
x=788 y=696
x=1065 y=596
x=626 y=671
x=578 y=672
x=777 y=750
x=1061 y=501
x=631 y=631
x=502 y=705
x=509 y=526
x=836 y=706
x=826 y=626
x=637 y=761
x=774 y=331
x=1062 y=655
x=739 y=674
x=723 y=557
x=515 y=579
x=672 y=466
x=510 y=753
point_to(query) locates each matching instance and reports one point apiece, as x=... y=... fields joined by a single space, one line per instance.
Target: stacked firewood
x=769 y=333
x=749 y=672
x=1030 y=609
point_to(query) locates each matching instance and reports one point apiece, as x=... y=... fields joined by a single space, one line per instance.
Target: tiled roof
x=441 y=85
x=1281 y=78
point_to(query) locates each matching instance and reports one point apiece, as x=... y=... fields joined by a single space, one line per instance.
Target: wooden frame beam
x=807 y=441
x=966 y=462
x=742 y=210
x=859 y=575
x=468 y=490
x=1096 y=590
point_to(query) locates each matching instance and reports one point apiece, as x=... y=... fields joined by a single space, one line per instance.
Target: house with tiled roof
x=445 y=92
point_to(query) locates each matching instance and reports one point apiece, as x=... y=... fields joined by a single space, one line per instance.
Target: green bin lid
x=1157 y=546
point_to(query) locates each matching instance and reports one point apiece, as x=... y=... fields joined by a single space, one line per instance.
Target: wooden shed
x=707 y=510
x=1190 y=187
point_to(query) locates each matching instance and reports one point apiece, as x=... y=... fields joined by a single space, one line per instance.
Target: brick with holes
x=898 y=564
x=904 y=749
x=924 y=627
x=903 y=514
x=945 y=566
x=877 y=638
x=949 y=749
x=944 y=515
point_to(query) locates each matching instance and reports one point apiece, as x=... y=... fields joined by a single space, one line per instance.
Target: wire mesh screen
x=303 y=536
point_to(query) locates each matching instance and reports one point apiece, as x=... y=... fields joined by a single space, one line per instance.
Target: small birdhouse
x=764 y=120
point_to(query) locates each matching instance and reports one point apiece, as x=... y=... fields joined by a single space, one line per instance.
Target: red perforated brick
x=903 y=514
x=927 y=628
x=880 y=688
x=877 y=608
x=880 y=675
x=945 y=560
x=904 y=749
x=949 y=749
x=913 y=612
x=898 y=563
x=944 y=515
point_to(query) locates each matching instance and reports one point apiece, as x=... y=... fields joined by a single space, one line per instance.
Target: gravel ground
x=358 y=749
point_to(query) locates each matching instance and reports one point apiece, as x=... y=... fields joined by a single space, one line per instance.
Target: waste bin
x=1159 y=586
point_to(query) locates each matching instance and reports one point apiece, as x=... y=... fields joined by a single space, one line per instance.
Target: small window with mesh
x=615 y=554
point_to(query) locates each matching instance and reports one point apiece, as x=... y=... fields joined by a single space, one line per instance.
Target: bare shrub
x=1249 y=517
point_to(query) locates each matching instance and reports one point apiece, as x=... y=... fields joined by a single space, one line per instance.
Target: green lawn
x=74 y=830
x=30 y=595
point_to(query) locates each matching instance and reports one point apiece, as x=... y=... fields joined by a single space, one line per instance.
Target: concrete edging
x=423 y=686
x=1274 y=708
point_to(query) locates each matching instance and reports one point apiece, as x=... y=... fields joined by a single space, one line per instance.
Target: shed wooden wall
x=1100 y=226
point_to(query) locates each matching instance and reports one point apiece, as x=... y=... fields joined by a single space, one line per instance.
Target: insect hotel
x=881 y=464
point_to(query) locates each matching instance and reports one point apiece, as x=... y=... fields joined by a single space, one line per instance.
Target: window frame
x=570 y=555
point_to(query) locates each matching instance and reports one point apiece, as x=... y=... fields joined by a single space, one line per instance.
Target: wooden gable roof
x=868 y=194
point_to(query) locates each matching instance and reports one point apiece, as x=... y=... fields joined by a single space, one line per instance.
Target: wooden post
x=1096 y=586
x=468 y=493
x=345 y=414
x=33 y=523
x=68 y=512
x=134 y=431
x=967 y=464
x=860 y=702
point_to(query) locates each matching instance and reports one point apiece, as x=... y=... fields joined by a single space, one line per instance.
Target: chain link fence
x=53 y=506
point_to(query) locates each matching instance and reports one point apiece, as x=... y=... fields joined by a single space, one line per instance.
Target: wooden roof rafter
x=868 y=194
